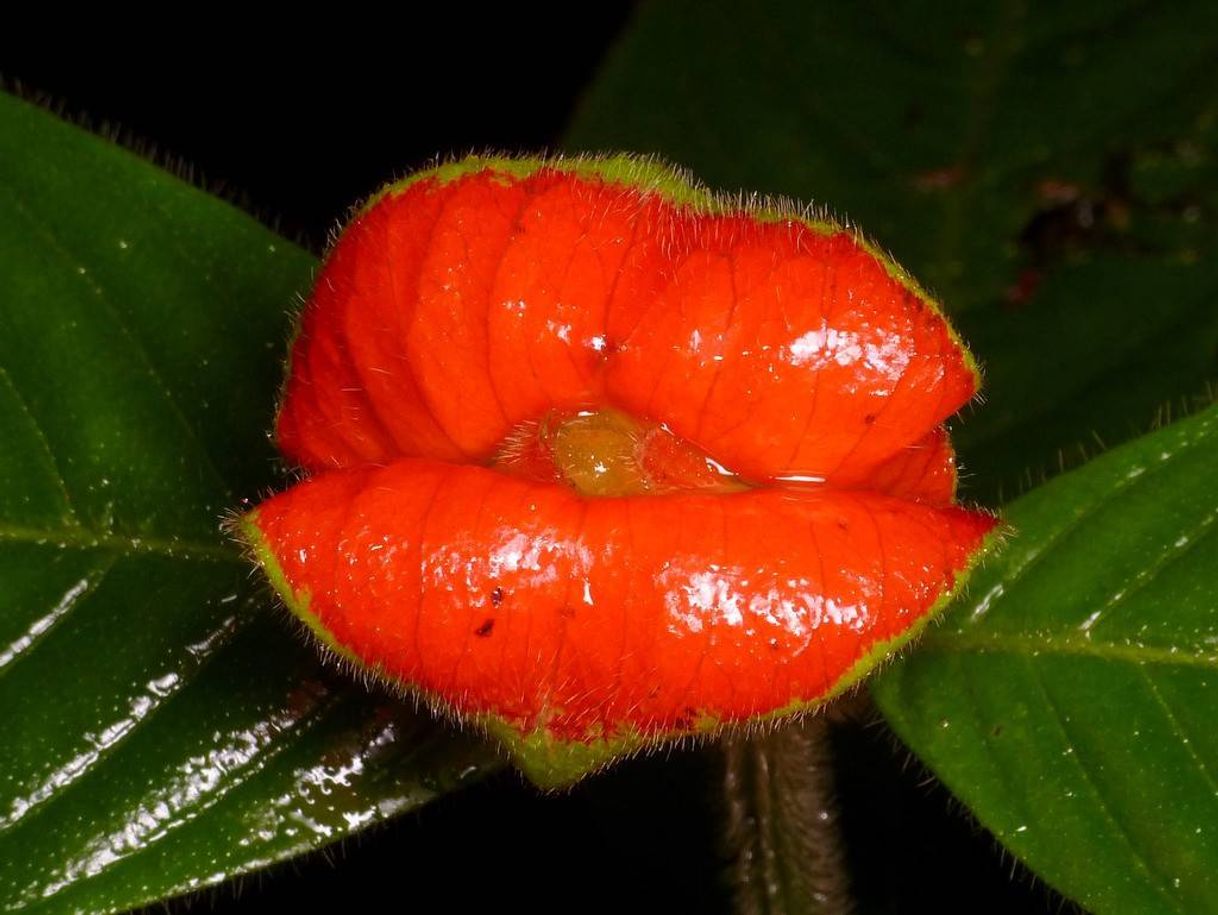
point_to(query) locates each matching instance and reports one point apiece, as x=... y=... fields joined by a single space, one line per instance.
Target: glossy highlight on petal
x=597 y=460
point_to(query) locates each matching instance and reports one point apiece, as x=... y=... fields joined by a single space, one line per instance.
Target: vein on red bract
x=466 y=306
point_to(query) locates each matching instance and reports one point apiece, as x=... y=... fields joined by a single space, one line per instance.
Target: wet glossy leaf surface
x=163 y=726
x=1060 y=200
x=1070 y=699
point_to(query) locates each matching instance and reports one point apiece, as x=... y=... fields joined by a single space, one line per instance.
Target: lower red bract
x=595 y=467
x=577 y=614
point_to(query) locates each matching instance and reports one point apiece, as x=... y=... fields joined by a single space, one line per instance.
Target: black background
x=297 y=133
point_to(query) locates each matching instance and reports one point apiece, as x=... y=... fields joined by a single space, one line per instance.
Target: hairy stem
x=782 y=828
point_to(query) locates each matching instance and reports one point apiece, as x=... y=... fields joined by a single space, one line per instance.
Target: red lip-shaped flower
x=595 y=459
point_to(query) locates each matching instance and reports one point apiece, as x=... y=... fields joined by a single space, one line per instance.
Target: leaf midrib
x=1034 y=646
x=86 y=539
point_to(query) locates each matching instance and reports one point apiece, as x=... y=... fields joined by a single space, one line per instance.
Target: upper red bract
x=449 y=313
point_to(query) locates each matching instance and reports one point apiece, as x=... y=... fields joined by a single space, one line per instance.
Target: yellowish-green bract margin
x=550 y=763
x=650 y=174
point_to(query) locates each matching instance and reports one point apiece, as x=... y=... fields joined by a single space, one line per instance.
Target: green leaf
x=1049 y=170
x=1070 y=700
x=163 y=729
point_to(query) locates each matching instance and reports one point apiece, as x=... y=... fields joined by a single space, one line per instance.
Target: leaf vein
x=1185 y=741
x=85 y=539
x=55 y=243
x=52 y=464
x=1033 y=645
x=1105 y=807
